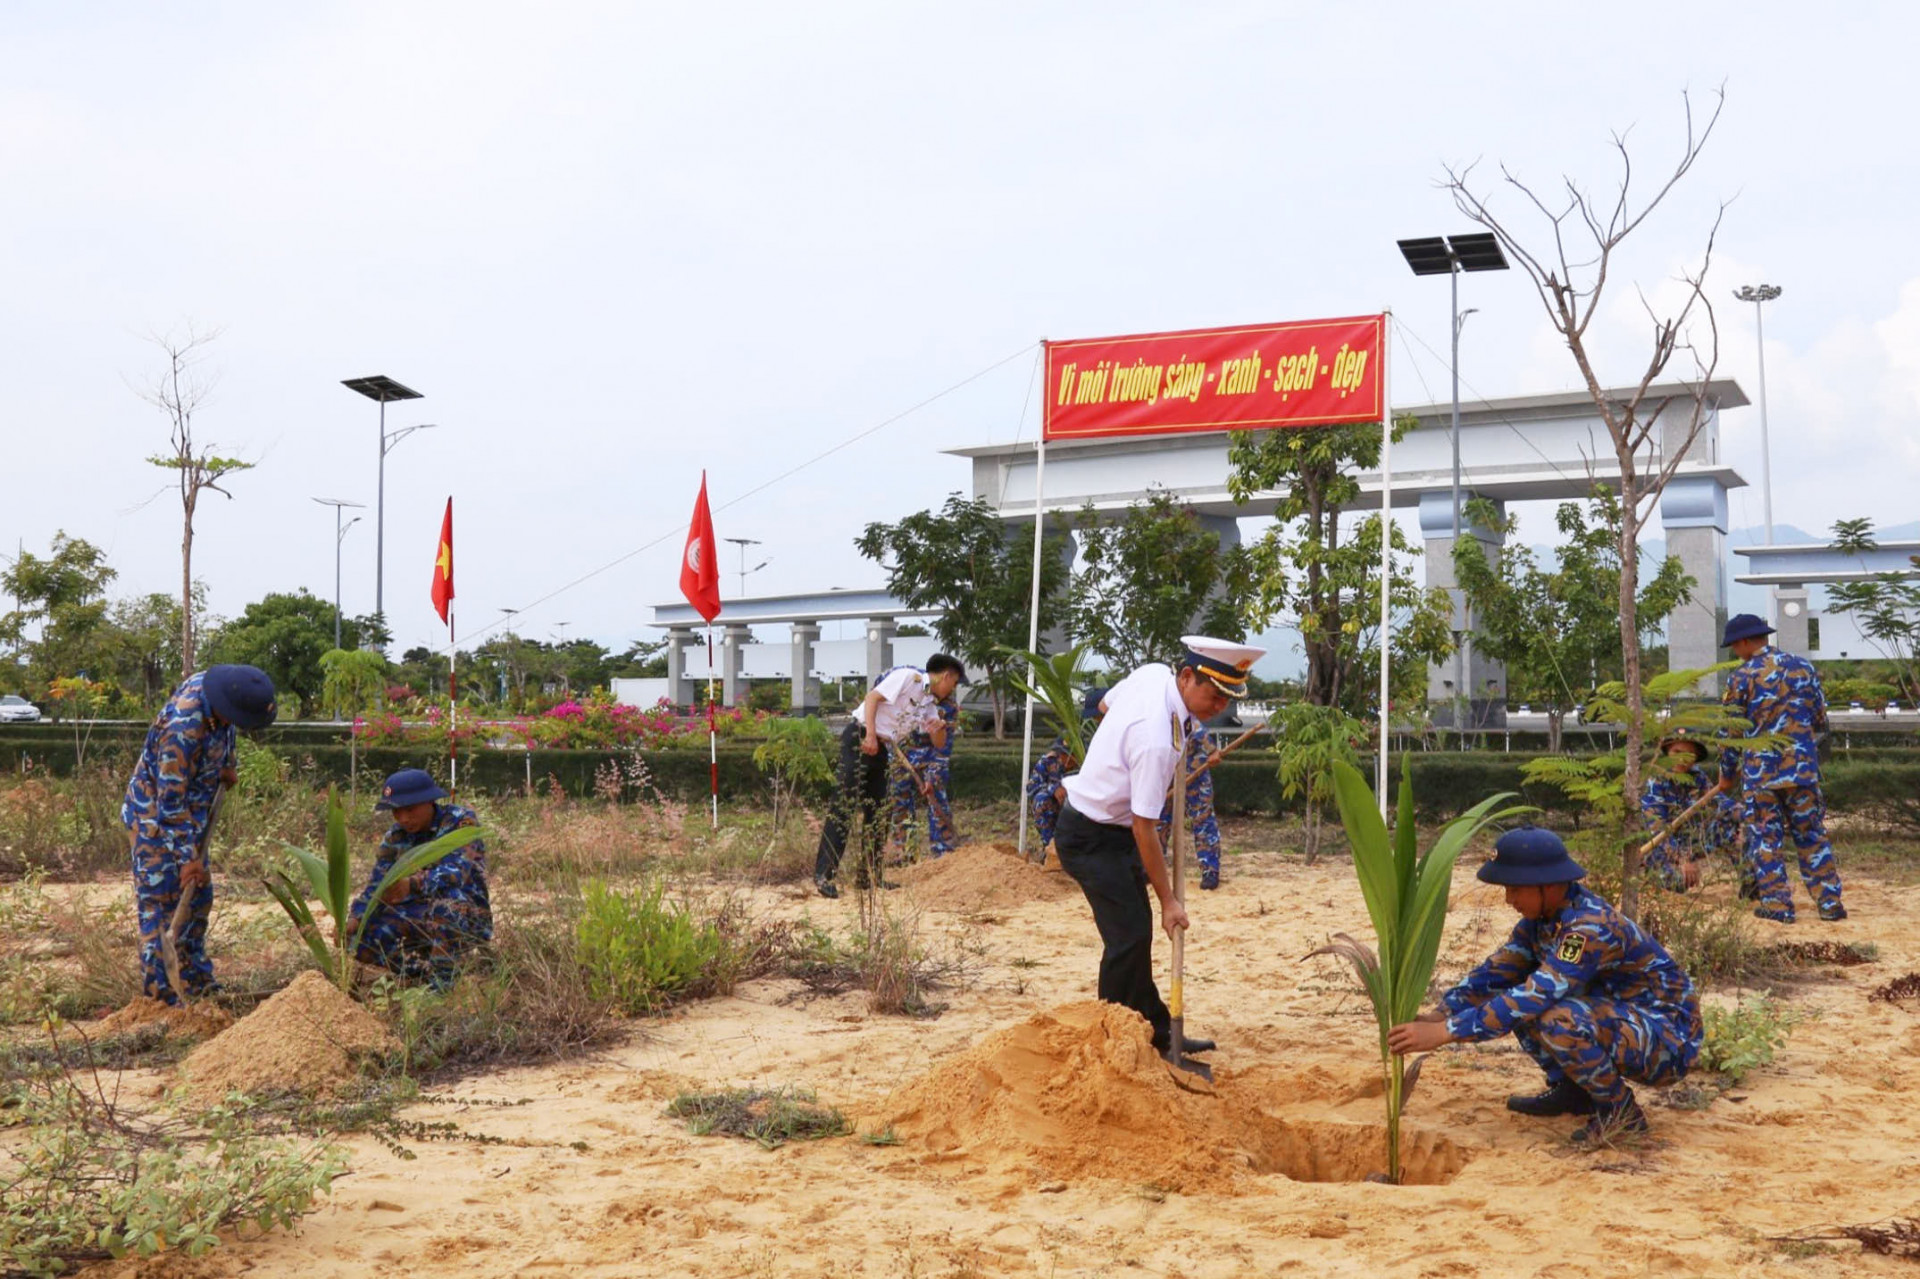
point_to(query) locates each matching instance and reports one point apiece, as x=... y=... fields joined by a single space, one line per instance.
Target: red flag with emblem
x=699 y=564
x=443 y=566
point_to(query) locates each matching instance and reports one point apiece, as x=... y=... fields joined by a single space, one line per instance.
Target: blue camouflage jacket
x=1588 y=949
x=456 y=885
x=921 y=751
x=171 y=791
x=1778 y=693
x=1048 y=772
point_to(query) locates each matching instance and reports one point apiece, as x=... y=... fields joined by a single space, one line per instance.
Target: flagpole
x=713 y=750
x=1386 y=563
x=453 y=702
x=1033 y=621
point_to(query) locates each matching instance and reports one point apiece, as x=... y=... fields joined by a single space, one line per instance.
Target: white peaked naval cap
x=1224 y=662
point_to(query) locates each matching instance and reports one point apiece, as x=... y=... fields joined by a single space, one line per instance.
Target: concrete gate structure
x=1523 y=448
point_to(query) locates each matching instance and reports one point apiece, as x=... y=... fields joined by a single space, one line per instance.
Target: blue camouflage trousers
x=419 y=940
x=156 y=891
x=907 y=799
x=1600 y=1044
x=1771 y=817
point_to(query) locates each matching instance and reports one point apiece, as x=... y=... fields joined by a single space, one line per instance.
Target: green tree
x=644 y=659
x=179 y=392
x=285 y=635
x=353 y=680
x=1886 y=606
x=1558 y=629
x=963 y=561
x=1323 y=575
x=1147 y=578
x=143 y=636
x=63 y=595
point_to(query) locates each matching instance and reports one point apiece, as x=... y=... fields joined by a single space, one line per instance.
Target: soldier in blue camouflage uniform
x=189 y=755
x=1045 y=789
x=423 y=925
x=934 y=764
x=1673 y=786
x=1593 y=999
x=1779 y=693
x=1206 y=829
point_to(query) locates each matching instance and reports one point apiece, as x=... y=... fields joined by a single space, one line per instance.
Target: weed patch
x=1905 y=986
x=770 y=1117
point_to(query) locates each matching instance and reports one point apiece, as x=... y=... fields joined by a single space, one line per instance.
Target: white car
x=14 y=709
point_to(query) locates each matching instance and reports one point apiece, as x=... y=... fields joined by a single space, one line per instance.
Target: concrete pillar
x=733 y=683
x=680 y=685
x=1227 y=527
x=880 y=633
x=1485 y=678
x=1790 y=613
x=1693 y=514
x=806 y=680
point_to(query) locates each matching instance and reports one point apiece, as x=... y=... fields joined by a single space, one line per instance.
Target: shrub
x=770 y=1117
x=81 y=1182
x=641 y=952
x=1745 y=1037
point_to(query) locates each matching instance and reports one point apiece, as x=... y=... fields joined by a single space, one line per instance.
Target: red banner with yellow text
x=1305 y=373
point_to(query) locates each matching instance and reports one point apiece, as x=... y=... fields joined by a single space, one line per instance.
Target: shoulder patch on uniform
x=1572 y=946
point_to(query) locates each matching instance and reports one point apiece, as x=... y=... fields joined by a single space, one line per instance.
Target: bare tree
x=1651 y=431
x=179 y=392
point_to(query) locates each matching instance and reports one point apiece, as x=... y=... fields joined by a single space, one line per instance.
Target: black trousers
x=1105 y=863
x=863 y=784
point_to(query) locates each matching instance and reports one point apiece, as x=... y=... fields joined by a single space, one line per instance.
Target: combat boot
x=1833 y=913
x=1563 y=1098
x=1610 y=1123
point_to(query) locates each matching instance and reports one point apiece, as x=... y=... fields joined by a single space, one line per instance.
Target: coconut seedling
x=329 y=873
x=1406 y=892
x=1054 y=682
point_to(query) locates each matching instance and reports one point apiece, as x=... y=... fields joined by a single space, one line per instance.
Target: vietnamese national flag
x=443 y=566
x=699 y=564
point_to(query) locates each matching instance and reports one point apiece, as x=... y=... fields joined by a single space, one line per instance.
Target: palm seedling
x=329 y=874
x=1406 y=893
x=1053 y=682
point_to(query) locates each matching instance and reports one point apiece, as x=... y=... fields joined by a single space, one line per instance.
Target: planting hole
x=1313 y=1150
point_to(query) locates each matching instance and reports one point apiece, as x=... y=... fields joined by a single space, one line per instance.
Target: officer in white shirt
x=900 y=702
x=1108 y=834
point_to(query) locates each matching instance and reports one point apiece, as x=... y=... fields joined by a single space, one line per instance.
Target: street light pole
x=1758 y=294
x=382 y=388
x=743 y=543
x=339 y=536
x=1454 y=254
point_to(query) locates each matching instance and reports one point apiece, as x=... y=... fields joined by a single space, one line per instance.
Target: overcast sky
x=615 y=244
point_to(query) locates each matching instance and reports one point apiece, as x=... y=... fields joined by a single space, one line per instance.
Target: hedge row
x=1445 y=783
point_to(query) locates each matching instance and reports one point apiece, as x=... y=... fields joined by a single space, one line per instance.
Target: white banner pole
x=1033 y=630
x=1386 y=560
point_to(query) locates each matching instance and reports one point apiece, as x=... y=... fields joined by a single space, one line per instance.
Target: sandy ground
x=597 y=1181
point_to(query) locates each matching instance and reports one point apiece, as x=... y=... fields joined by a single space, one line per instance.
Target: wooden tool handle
x=1666 y=831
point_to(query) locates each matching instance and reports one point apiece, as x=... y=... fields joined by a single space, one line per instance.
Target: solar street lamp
x=383 y=389
x=1452 y=254
x=339 y=536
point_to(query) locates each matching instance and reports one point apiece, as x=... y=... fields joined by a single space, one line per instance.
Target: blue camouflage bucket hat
x=1530 y=856
x=409 y=786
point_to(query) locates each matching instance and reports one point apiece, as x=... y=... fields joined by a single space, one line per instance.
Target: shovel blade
x=1181 y=1067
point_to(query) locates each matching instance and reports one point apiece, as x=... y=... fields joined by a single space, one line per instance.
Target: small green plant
x=1308 y=740
x=1055 y=683
x=797 y=756
x=641 y=951
x=1745 y=1037
x=1406 y=893
x=329 y=873
x=880 y=1137
x=771 y=1117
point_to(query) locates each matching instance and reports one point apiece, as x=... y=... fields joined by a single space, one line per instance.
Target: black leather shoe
x=1563 y=1098
x=825 y=886
x=1188 y=1047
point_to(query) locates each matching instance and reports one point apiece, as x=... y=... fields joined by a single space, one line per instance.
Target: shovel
x=1176 y=994
x=170 y=935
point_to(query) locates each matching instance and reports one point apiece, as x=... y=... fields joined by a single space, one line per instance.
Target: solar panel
x=382 y=388
x=1479 y=252
x=1428 y=255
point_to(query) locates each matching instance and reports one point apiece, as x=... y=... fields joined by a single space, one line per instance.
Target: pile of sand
x=1070 y=1093
x=1078 y=1093
x=986 y=877
x=308 y=1038
x=203 y=1020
